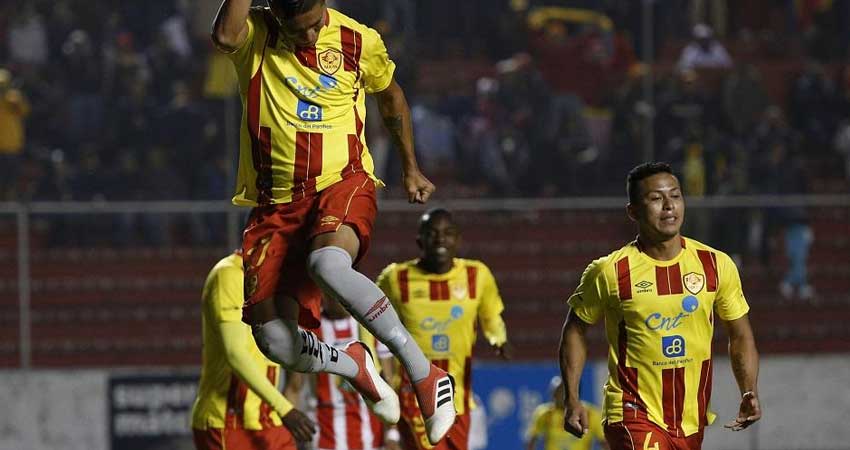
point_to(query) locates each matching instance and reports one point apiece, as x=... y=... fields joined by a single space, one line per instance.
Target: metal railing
x=23 y=212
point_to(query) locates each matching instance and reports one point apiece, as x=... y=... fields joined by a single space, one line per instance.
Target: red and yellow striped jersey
x=303 y=109
x=224 y=400
x=441 y=312
x=659 y=320
x=343 y=419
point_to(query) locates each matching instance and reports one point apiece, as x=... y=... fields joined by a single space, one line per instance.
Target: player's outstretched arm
x=572 y=356
x=236 y=338
x=230 y=27
x=745 y=366
x=396 y=114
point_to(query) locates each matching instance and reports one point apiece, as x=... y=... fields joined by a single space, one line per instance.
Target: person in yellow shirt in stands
x=547 y=424
x=238 y=406
x=14 y=108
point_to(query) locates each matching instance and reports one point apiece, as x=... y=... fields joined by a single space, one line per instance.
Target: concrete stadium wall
x=806 y=401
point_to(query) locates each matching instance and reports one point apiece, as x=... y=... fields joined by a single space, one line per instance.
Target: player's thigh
x=274 y=249
x=345 y=216
x=637 y=436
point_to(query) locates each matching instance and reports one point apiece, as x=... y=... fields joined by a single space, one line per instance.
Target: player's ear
x=419 y=242
x=632 y=212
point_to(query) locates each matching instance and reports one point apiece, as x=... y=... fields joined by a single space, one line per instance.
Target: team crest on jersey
x=458 y=291
x=330 y=61
x=694 y=282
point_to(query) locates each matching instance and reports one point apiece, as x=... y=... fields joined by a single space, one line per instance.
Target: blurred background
x=118 y=140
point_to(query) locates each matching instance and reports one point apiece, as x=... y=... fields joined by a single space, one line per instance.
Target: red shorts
x=411 y=427
x=241 y=439
x=640 y=435
x=276 y=242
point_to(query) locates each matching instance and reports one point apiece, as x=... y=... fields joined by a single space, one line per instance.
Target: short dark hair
x=643 y=171
x=431 y=215
x=292 y=8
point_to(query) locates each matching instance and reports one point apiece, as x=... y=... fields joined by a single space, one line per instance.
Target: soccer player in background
x=659 y=296
x=341 y=415
x=547 y=424
x=304 y=167
x=238 y=404
x=440 y=299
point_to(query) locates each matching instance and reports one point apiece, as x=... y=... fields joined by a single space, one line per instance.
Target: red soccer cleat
x=379 y=396
x=436 y=394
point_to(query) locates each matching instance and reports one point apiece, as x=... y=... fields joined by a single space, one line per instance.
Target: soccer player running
x=238 y=405
x=659 y=296
x=440 y=298
x=547 y=424
x=305 y=169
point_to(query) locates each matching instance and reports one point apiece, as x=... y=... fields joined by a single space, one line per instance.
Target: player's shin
x=300 y=350
x=331 y=268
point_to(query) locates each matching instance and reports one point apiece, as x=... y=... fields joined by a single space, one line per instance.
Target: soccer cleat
x=436 y=394
x=379 y=396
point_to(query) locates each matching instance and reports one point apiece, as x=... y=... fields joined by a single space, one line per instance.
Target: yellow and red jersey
x=547 y=423
x=442 y=311
x=304 y=108
x=224 y=400
x=343 y=419
x=659 y=319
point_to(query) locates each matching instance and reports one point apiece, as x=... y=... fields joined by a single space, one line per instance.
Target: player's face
x=439 y=239
x=303 y=29
x=661 y=208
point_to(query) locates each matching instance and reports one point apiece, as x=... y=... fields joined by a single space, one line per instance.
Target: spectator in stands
x=704 y=51
x=744 y=98
x=714 y=10
x=83 y=79
x=234 y=370
x=547 y=424
x=783 y=174
x=640 y=292
x=443 y=300
x=813 y=106
x=14 y=109
x=28 y=36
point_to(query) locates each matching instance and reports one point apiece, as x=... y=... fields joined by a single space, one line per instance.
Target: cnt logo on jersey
x=440 y=341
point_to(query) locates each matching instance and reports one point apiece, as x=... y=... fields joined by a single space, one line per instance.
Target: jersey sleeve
x=376 y=64
x=590 y=298
x=241 y=57
x=490 y=309
x=730 y=303
x=226 y=295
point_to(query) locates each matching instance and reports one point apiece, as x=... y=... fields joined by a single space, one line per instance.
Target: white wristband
x=748 y=394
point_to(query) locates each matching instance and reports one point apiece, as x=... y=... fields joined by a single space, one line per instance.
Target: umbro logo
x=643 y=286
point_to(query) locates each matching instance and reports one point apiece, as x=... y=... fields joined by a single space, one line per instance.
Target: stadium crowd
x=512 y=98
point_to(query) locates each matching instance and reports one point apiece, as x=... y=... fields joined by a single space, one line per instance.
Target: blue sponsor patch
x=327 y=81
x=673 y=346
x=309 y=112
x=457 y=312
x=690 y=304
x=440 y=343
